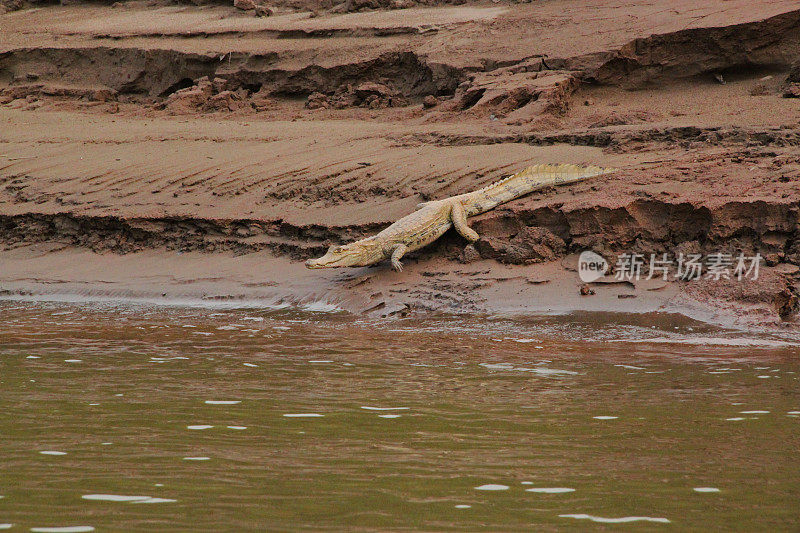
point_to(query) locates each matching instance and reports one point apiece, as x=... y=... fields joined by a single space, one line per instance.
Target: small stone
x=369 y=88
x=186 y=100
x=794 y=73
x=317 y=101
x=759 y=89
x=786 y=268
x=586 y=290
x=786 y=303
x=10 y=5
x=219 y=84
x=104 y=95
x=261 y=101
x=205 y=86
x=772 y=259
x=263 y=11
x=244 y=5
x=430 y=101
x=225 y=101
x=469 y=254
x=792 y=91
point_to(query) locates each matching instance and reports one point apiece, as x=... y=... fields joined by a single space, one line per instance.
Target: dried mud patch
x=147 y=76
x=776 y=293
x=642 y=226
x=532 y=91
x=770 y=43
x=516 y=95
x=118 y=235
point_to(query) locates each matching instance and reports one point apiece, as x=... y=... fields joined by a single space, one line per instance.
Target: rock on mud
x=469 y=254
x=368 y=94
x=792 y=91
x=792 y=86
x=244 y=5
x=317 y=100
x=517 y=95
x=10 y=5
x=263 y=11
x=206 y=95
x=528 y=245
x=787 y=303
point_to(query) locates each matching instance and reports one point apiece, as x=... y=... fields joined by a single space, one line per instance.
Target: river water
x=140 y=418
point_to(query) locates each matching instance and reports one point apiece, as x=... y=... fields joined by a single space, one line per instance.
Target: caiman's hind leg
x=459 y=218
x=397 y=253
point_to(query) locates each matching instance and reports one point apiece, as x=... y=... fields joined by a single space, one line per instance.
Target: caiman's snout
x=326 y=261
x=312 y=263
x=339 y=256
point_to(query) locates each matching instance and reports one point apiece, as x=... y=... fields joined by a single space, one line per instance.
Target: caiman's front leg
x=459 y=218
x=397 y=253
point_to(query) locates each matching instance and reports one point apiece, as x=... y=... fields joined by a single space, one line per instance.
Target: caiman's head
x=360 y=253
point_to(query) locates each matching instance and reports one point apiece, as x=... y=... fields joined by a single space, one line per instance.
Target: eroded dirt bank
x=202 y=152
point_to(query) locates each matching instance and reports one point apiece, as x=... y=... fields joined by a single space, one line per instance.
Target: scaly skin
x=432 y=219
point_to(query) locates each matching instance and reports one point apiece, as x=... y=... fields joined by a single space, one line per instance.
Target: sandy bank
x=199 y=149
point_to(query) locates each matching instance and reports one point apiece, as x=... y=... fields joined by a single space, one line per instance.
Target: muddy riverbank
x=204 y=152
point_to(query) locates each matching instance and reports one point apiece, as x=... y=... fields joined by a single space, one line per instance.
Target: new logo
x=591 y=266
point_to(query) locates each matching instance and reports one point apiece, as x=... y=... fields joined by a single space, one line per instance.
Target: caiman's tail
x=527 y=180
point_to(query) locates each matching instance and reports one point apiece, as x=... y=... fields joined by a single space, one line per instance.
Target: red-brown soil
x=137 y=131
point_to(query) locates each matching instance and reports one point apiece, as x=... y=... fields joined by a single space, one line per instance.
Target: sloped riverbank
x=164 y=141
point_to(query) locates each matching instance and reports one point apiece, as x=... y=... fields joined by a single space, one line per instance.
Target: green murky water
x=135 y=418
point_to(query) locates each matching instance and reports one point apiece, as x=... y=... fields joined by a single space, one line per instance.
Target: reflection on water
x=620 y=520
x=240 y=419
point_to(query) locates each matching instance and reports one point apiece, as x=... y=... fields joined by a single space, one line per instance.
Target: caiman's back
x=419 y=228
x=523 y=182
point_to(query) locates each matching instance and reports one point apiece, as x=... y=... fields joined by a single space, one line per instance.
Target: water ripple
x=621 y=520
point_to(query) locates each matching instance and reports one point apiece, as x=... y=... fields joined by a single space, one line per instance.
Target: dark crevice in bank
x=154 y=74
x=151 y=74
x=509 y=235
x=618 y=138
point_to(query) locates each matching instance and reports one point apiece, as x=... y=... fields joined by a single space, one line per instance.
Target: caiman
x=432 y=219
